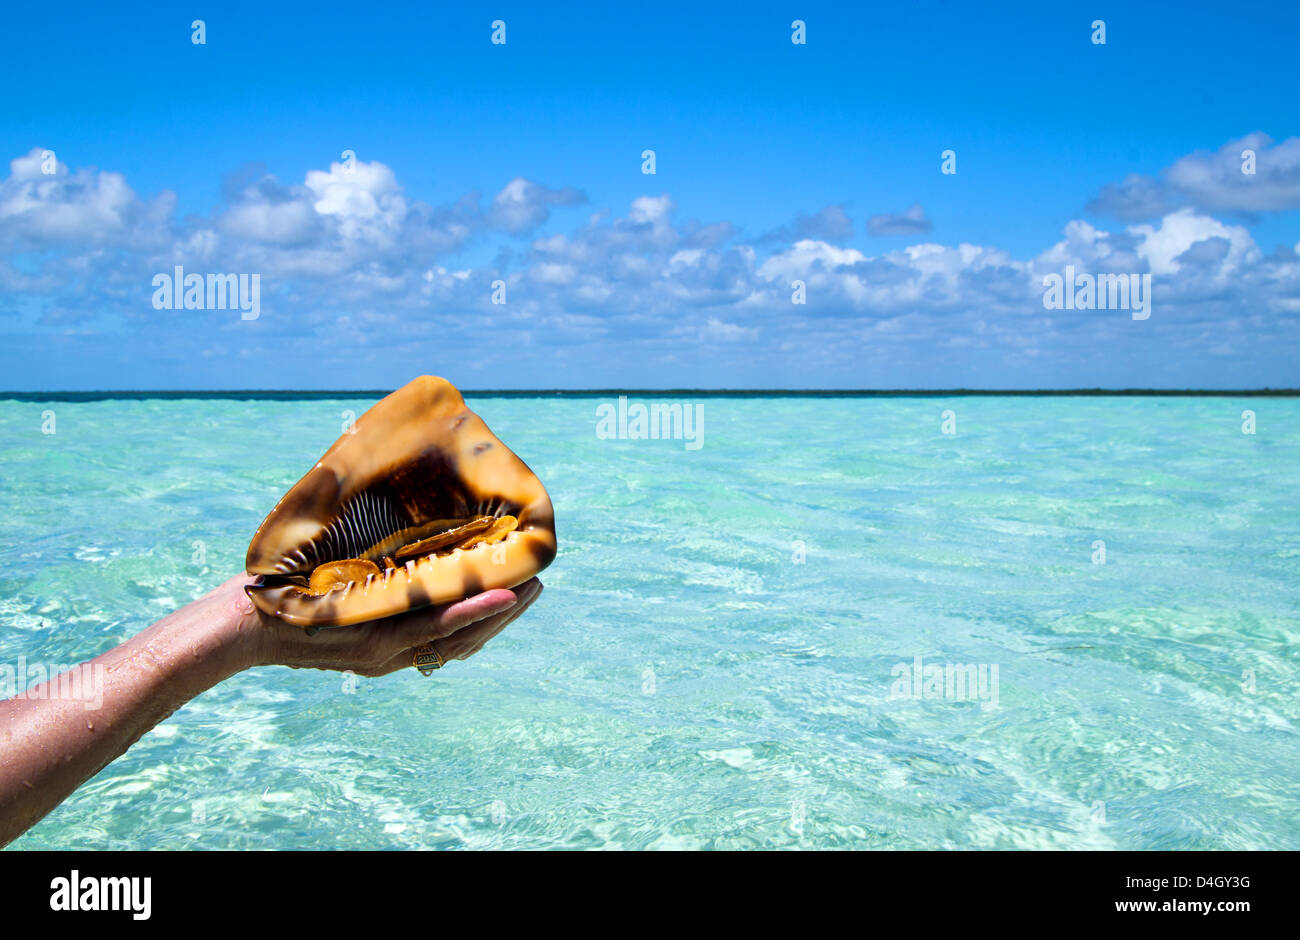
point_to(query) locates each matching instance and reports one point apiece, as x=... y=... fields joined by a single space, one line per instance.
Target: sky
x=387 y=172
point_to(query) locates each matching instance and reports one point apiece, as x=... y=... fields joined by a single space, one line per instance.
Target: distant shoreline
x=309 y=395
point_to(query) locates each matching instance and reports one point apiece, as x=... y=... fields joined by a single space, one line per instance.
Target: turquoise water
x=694 y=678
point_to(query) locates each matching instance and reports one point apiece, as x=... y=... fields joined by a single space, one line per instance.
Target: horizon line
x=310 y=394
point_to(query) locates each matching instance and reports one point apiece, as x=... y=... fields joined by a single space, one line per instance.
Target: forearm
x=50 y=743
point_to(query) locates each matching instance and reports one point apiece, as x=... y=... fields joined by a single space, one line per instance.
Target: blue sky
x=521 y=163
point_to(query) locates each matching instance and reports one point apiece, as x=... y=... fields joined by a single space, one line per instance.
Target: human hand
x=379 y=647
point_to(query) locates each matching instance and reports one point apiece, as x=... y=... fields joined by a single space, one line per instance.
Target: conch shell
x=418 y=504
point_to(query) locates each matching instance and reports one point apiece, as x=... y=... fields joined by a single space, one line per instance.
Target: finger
x=526 y=594
x=510 y=616
x=454 y=646
x=403 y=657
x=476 y=634
x=395 y=639
x=466 y=642
x=421 y=626
x=415 y=627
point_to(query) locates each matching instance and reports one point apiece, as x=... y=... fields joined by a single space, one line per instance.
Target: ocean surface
x=724 y=653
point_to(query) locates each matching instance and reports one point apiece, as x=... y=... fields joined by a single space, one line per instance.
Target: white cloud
x=829 y=224
x=726 y=332
x=523 y=205
x=558 y=274
x=1216 y=181
x=1212 y=181
x=350 y=250
x=284 y=223
x=652 y=209
x=32 y=166
x=806 y=256
x=911 y=222
x=1180 y=230
x=86 y=206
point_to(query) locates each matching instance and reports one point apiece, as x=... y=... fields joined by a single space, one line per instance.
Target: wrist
x=241 y=636
x=207 y=641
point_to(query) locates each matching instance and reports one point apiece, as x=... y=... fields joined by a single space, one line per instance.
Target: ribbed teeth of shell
x=411 y=564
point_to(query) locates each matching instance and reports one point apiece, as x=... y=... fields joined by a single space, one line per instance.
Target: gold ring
x=427 y=659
